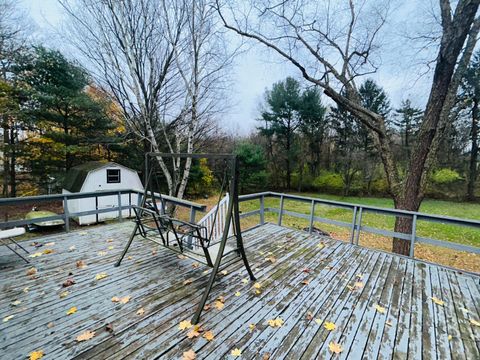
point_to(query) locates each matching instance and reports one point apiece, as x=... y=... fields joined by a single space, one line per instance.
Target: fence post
x=280 y=214
x=312 y=215
x=354 y=219
x=357 y=237
x=66 y=214
x=119 y=195
x=414 y=235
x=262 y=210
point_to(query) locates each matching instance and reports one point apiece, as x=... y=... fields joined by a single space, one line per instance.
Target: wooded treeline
x=304 y=144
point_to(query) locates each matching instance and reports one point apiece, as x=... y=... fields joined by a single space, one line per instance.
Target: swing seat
x=187 y=236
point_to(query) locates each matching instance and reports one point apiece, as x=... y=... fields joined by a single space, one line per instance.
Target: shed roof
x=76 y=176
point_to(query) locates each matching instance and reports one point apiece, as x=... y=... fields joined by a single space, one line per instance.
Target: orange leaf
x=209 y=335
x=86 y=335
x=72 y=310
x=335 y=347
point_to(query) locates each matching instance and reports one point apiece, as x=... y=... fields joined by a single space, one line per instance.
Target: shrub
x=329 y=181
x=445 y=176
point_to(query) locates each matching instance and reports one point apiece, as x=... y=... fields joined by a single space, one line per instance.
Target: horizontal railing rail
x=355 y=225
x=67 y=215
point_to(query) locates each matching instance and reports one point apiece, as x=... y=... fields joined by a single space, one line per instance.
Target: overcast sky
x=257 y=69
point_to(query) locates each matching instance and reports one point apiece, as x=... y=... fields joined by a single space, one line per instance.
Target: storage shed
x=97 y=176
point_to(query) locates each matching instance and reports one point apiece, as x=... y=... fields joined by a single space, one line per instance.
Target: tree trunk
x=13 y=163
x=473 y=168
x=6 y=160
x=402 y=225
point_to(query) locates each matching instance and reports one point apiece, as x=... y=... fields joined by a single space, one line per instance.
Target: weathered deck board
x=306 y=286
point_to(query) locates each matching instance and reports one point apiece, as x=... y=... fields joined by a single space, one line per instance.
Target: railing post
x=280 y=214
x=66 y=214
x=192 y=220
x=119 y=206
x=414 y=235
x=354 y=219
x=96 y=209
x=129 y=204
x=312 y=215
x=262 y=210
x=357 y=236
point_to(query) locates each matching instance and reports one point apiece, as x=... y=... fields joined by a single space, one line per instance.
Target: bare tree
x=155 y=57
x=334 y=43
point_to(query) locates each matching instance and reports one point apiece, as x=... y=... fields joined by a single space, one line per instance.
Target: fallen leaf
x=188 y=281
x=50 y=244
x=101 y=276
x=195 y=265
x=224 y=272
x=306 y=270
x=257 y=285
x=35 y=355
x=63 y=294
x=154 y=252
x=251 y=327
x=115 y=299
x=111 y=247
x=72 y=310
x=351 y=288
x=266 y=356
x=81 y=264
x=330 y=326
x=205 y=271
x=48 y=251
x=474 y=322
x=272 y=259
x=379 y=308
x=278 y=322
x=359 y=276
x=68 y=282
x=25 y=290
x=219 y=305
x=236 y=352
x=335 y=348
x=109 y=240
x=193 y=334
x=245 y=281
x=221 y=299
x=50 y=325
x=34 y=255
x=16 y=303
x=437 y=301
x=185 y=324
x=72 y=248
x=129 y=258
x=309 y=316
x=208 y=335
x=207 y=307
x=449 y=337
x=319 y=321
x=102 y=253
x=86 y=335
x=189 y=355
x=321 y=245
x=306 y=282
x=109 y=328
x=181 y=257
x=358 y=285
x=238 y=293
x=125 y=299
x=32 y=271
x=388 y=322
x=8 y=318
x=140 y=311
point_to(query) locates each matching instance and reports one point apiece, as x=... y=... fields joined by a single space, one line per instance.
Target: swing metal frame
x=165 y=224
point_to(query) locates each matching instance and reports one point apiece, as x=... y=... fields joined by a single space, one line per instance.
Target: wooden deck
x=305 y=284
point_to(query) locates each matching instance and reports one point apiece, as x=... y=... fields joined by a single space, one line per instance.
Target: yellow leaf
x=258 y=292
x=238 y=293
x=208 y=335
x=330 y=326
x=16 y=303
x=449 y=337
x=358 y=284
x=474 y=322
x=63 y=294
x=72 y=310
x=101 y=276
x=335 y=348
x=35 y=355
x=219 y=305
x=318 y=321
x=86 y=335
x=25 y=290
x=359 y=276
x=380 y=309
x=251 y=327
x=185 y=324
x=321 y=245
x=224 y=272
x=437 y=300
x=221 y=299
x=140 y=311
x=130 y=258
x=245 y=281
x=195 y=265
x=111 y=247
x=102 y=253
x=272 y=259
x=47 y=251
x=236 y=352
x=193 y=334
x=125 y=299
x=278 y=322
x=8 y=318
x=34 y=255
x=115 y=299
x=189 y=355
x=257 y=285
x=31 y=271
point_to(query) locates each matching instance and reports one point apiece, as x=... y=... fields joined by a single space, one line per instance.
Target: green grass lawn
x=454 y=233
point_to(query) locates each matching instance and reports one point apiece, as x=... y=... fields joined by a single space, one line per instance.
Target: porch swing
x=196 y=241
